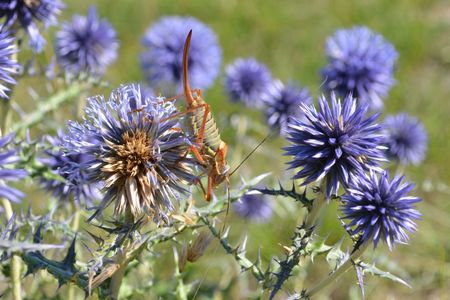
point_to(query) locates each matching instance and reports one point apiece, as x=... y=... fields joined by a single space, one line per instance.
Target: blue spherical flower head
x=337 y=143
x=406 y=139
x=283 y=103
x=8 y=156
x=86 y=45
x=163 y=45
x=254 y=207
x=246 y=80
x=139 y=152
x=75 y=184
x=26 y=14
x=8 y=65
x=360 y=62
x=380 y=208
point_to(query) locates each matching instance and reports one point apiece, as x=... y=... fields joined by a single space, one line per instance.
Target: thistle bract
x=8 y=65
x=245 y=80
x=87 y=44
x=337 y=143
x=406 y=139
x=163 y=45
x=27 y=14
x=380 y=208
x=138 y=153
x=282 y=103
x=360 y=62
x=8 y=156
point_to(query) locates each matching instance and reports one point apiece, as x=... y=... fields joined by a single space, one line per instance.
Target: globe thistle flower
x=75 y=184
x=8 y=65
x=86 y=45
x=282 y=103
x=336 y=143
x=380 y=208
x=26 y=14
x=360 y=62
x=254 y=207
x=138 y=154
x=406 y=139
x=9 y=156
x=161 y=60
x=246 y=80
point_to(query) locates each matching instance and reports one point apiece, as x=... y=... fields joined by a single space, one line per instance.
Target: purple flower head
x=86 y=45
x=137 y=155
x=254 y=207
x=283 y=103
x=380 y=208
x=336 y=143
x=406 y=139
x=161 y=60
x=75 y=184
x=360 y=62
x=8 y=65
x=26 y=14
x=8 y=156
x=245 y=80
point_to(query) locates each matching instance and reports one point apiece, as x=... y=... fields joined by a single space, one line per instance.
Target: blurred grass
x=289 y=37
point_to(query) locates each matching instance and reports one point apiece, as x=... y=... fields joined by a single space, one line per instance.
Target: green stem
x=75 y=226
x=337 y=273
x=51 y=104
x=318 y=203
x=15 y=259
x=117 y=278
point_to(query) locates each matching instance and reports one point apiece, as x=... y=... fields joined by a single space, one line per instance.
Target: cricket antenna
x=250 y=154
x=186 y=86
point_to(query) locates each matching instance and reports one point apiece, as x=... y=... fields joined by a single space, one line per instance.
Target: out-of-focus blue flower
x=138 y=156
x=336 y=143
x=26 y=14
x=406 y=139
x=360 y=62
x=246 y=80
x=254 y=207
x=76 y=184
x=86 y=45
x=380 y=208
x=8 y=65
x=162 y=58
x=283 y=103
x=9 y=156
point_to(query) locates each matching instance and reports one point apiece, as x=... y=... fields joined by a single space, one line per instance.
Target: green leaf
x=336 y=256
x=373 y=270
x=317 y=248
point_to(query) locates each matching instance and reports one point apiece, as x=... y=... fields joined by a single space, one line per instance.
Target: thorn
x=38 y=235
x=226 y=232
x=70 y=258
x=244 y=244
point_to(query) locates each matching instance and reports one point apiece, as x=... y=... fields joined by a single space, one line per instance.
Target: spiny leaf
x=292 y=193
x=373 y=270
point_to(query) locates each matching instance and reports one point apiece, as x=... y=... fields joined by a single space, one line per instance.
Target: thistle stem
x=318 y=203
x=117 y=278
x=337 y=273
x=15 y=260
x=75 y=227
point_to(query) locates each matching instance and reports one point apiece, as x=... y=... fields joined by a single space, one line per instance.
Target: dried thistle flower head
x=195 y=249
x=139 y=152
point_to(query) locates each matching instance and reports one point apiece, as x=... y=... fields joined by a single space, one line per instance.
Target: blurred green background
x=289 y=37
